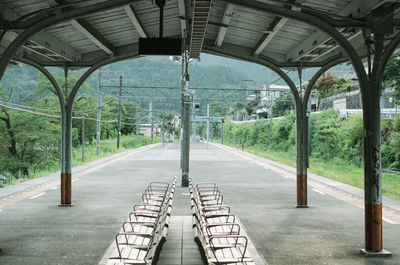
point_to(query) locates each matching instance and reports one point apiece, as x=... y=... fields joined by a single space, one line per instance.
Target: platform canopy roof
x=79 y=33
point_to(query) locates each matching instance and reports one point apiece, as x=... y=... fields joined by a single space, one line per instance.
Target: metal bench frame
x=214 y=223
x=153 y=214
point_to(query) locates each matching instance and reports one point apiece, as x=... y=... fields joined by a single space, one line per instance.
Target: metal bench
x=144 y=233
x=215 y=229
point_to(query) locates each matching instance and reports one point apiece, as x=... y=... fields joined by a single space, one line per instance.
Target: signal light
x=169 y=125
x=223 y=120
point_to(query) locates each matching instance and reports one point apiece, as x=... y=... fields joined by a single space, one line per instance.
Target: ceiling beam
x=130 y=11
x=91 y=58
x=247 y=54
x=273 y=29
x=42 y=39
x=267 y=37
x=225 y=22
x=356 y=40
x=88 y=30
x=356 y=9
x=182 y=15
x=92 y=34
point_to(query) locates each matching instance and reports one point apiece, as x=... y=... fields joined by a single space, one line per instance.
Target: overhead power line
x=58 y=116
x=29 y=111
x=29 y=107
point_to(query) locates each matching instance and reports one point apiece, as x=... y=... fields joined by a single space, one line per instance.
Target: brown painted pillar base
x=66 y=189
x=373 y=231
x=301 y=191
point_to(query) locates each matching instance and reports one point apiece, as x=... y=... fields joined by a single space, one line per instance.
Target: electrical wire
x=29 y=107
x=58 y=116
x=29 y=111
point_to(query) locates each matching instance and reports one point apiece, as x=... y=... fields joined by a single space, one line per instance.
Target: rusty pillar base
x=66 y=189
x=373 y=227
x=301 y=191
x=383 y=253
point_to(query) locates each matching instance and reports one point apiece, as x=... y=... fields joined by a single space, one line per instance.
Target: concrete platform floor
x=33 y=230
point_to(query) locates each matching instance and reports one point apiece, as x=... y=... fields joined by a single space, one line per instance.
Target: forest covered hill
x=210 y=72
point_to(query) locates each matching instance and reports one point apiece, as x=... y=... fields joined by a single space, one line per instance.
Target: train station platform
x=262 y=193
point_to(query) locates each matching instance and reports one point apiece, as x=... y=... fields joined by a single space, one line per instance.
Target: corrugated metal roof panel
x=246 y=27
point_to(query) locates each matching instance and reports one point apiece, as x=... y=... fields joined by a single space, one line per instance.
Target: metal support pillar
x=301 y=144
x=119 y=112
x=66 y=176
x=64 y=110
x=372 y=157
x=186 y=140
x=301 y=158
x=183 y=87
x=308 y=132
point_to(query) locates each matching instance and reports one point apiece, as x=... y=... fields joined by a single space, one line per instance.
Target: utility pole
x=162 y=128
x=208 y=124
x=270 y=116
x=222 y=131
x=83 y=134
x=151 y=119
x=193 y=121
x=98 y=116
x=119 y=112
x=212 y=126
x=137 y=120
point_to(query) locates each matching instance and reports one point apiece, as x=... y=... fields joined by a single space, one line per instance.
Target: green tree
x=28 y=142
x=325 y=86
x=283 y=105
x=392 y=76
x=45 y=88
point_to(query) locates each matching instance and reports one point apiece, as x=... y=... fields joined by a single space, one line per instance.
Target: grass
x=108 y=147
x=336 y=169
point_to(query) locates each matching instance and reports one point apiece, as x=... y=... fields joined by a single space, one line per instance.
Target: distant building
x=260 y=101
x=350 y=103
x=346 y=102
x=145 y=130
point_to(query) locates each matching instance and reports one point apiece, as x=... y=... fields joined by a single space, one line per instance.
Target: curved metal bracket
x=92 y=69
x=52 y=20
x=260 y=61
x=46 y=73
x=389 y=50
x=321 y=25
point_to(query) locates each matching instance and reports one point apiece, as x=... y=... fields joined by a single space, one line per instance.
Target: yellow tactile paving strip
x=50 y=185
x=388 y=216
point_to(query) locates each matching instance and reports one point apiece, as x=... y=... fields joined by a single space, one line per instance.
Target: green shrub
x=332 y=137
